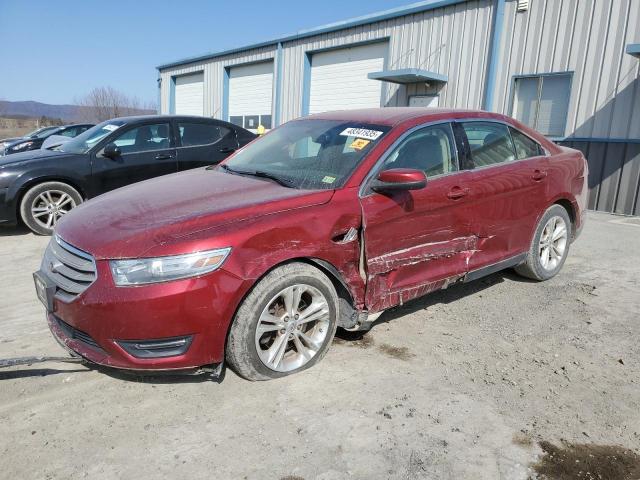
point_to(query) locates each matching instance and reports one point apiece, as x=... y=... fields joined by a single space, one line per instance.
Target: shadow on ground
x=14 y=231
x=452 y=294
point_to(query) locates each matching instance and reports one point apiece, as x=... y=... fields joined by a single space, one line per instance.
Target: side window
x=194 y=134
x=144 y=138
x=490 y=143
x=525 y=147
x=430 y=149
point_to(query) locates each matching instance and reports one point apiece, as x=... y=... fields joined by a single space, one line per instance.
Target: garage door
x=189 y=94
x=339 y=78
x=250 y=93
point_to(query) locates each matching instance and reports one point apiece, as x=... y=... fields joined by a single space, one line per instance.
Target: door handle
x=227 y=150
x=164 y=156
x=538 y=175
x=456 y=193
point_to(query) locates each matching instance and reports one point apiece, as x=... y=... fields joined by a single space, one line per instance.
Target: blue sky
x=54 y=52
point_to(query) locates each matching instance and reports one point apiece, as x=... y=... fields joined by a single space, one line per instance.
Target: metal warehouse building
x=569 y=68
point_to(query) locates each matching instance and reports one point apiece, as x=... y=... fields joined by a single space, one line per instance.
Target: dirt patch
x=589 y=462
x=400 y=353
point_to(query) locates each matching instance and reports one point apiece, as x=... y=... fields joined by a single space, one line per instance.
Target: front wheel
x=45 y=204
x=549 y=247
x=285 y=325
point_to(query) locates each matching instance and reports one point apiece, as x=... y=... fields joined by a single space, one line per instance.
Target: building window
x=542 y=102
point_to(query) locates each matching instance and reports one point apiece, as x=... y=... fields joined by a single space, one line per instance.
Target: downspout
x=159 y=100
x=278 y=99
x=496 y=36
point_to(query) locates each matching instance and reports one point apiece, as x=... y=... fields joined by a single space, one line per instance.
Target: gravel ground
x=477 y=381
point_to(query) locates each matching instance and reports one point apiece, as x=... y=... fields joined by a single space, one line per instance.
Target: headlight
x=162 y=269
x=21 y=146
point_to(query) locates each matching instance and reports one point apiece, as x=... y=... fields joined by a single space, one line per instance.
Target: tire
x=547 y=256
x=44 y=204
x=284 y=340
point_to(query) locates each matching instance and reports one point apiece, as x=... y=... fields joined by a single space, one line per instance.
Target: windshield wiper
x=259 y=173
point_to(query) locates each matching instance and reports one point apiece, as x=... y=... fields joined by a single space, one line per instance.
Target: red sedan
x=324 y=222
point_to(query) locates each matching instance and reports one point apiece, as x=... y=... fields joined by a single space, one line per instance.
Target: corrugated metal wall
x=452 y=40
x=587 y=37
x=213 y=77
x=614 y=175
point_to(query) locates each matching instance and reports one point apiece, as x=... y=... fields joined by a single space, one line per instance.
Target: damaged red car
x=325 y=222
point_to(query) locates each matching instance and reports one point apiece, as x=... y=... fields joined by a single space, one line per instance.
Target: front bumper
x=104 y=321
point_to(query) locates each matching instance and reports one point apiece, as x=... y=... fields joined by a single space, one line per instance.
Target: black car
x=44 y=131
x=40 y=186
x=35 y=140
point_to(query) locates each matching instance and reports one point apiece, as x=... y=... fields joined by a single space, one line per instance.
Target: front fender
x=27 y=179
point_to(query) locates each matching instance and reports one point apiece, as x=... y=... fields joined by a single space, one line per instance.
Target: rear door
x=508 y=190
x=203 y=142
x=416 y=240
x=147 y=151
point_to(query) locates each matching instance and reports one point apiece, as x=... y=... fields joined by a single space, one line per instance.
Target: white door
x=189 y=94
x=250 y=94
x=428 y=101
x=339 y=78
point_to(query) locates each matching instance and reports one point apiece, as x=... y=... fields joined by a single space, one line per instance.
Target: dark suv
x=41 y=186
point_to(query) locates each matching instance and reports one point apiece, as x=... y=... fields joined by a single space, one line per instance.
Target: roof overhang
x=408 y=75
x=634 y=49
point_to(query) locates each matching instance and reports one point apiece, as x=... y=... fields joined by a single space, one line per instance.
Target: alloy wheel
x=51 y=205
x=292 y=328
x=553 y=243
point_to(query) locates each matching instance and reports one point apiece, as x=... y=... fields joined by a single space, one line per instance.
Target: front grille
x=72 y=270
x=76 y=334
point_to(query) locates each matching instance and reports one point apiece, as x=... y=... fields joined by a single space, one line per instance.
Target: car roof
x=395 y=115
x=142 y=118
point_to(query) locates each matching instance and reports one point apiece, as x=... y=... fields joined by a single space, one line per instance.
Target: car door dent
x=422 y=253
x=381 y=271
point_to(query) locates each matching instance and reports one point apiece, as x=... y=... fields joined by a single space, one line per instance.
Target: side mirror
x=111 y=150
x=398 y=179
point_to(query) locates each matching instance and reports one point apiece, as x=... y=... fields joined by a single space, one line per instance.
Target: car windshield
x=88 y=139
x=41 y=132
x=308 y=154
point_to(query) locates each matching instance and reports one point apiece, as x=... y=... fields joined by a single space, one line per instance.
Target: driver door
x=418 y=240
x=147 y=151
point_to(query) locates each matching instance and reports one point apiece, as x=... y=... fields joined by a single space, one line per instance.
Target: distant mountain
x=68 y=113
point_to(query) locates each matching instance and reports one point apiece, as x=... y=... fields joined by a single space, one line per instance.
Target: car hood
x=132 y=221
x=31 y=155
x=12 y=139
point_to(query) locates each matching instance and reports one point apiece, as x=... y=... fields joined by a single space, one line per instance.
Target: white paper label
x=361 y=133
x=110 y=127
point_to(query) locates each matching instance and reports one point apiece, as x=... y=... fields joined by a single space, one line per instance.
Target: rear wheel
x=549 y=247
x=285 y=325
x=45 y=204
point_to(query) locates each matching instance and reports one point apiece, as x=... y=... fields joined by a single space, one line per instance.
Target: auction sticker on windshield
x=359 y=143
x=361 y=133
x=111 y=127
